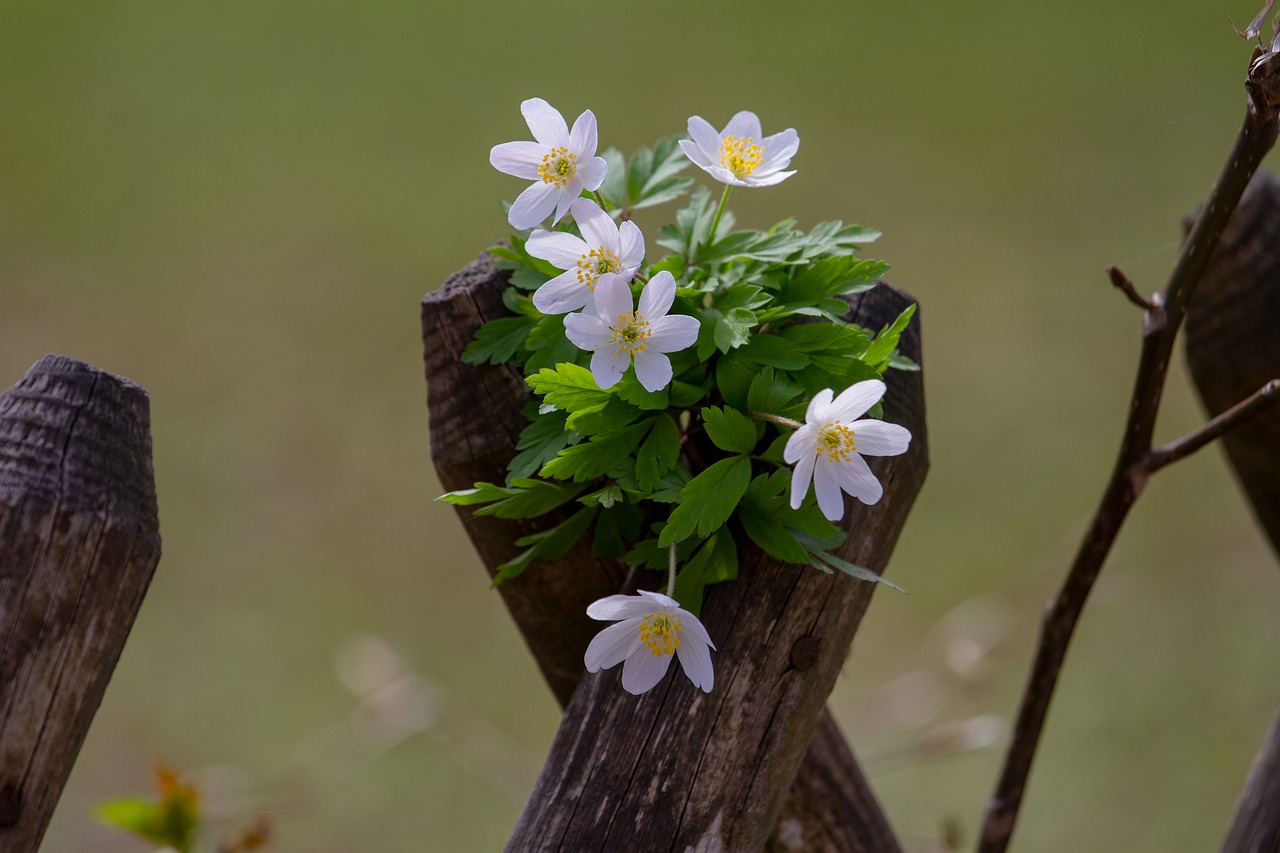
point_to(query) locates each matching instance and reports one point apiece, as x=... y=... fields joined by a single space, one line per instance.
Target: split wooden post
x=801 y=623
x=79 y=541
x=1233 y=349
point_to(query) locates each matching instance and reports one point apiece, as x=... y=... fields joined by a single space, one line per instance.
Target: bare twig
x=1122 y=282
x=1160 y=327
x=1257 y=403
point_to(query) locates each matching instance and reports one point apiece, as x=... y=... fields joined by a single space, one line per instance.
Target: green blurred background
x=239 y=205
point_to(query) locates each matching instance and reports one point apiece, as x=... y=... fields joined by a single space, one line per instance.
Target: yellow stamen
x=558 y=167
x=630 y=332
x=740 y=156
x=596 y=263
x=835 y=442
x=660 y=633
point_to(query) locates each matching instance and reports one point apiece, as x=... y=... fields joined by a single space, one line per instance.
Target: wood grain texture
x=831 y=807
x=79 y=541
x=1255 y=825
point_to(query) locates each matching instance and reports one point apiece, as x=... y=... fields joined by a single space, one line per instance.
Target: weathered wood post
x=79 y=541
x=707 y=769
x=1233 y=348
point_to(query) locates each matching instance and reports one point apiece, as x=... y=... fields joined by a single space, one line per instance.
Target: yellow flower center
x=740 y=156
x=835 y=442
x=596 y=263
x=660 y=633
x=558 y=167
x=630 y=332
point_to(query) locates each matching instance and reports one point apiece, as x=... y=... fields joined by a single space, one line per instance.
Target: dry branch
x=474 y=425
x=79 y=541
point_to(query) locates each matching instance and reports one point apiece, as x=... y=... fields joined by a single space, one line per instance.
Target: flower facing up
x=603 y=248
x=830 y=445
x=617 y=334
x=740 y=155
x=561 y=163
x=653 y=627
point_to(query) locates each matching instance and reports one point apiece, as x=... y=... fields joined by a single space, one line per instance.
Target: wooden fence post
x=1233 y=349
x=79 y=541
x=474 y=425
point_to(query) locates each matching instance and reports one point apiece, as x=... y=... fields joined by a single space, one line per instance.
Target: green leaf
x=524 y=498
x=732 y=329
x=570 y=388
x=596 y=457
x=612 y=415
x=548 y=544
x=771 y=391
x=881 y=349
x=653 y=175
x=771 y=536
x=606 y=497
x=630 y=389
x=658 y=454
x=498 y=340
x=774 y=351
x=708 y=500
x=825 y=562
x=132 y=814
x=734 y=377
x=614 y=188
x=541 y=439
x=615 y=528
x=548 y=345
x=715 y=562
x=729 y=429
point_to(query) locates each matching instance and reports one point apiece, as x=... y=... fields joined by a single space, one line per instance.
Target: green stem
x=777 y=419
x=604 y=205
x=671 y=571
x=715 y=223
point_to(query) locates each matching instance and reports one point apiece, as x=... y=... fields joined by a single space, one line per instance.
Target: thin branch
x=1255 y=404
x=1122 y=282
x=1256 y=137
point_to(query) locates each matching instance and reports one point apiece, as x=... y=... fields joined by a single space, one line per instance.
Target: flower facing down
x=740 y=155
x=830 y=445
x=604 y=247
x=561 y=163
x=653 y=627
x=617 y=334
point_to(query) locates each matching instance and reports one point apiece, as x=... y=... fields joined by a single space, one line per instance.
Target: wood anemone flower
x=740 y=154
x=604 y=247
x=652 y=629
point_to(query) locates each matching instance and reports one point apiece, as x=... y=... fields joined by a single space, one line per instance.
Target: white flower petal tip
x=652 y=629
x=604 y=248
x=560 y=163
x=618 y=333
x=828 y=449
x=740 y=154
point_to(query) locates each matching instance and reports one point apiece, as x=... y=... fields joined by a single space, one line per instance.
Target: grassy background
x=240 y=206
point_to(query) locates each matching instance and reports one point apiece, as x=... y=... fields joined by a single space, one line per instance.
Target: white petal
x=545 y=122
x=767 y=180
x=613 y=298
x=582 y=139
x=673 y=333
x=724 y=176
x=591 y=173
x=695 y=659
x=630 y=244
x=643 y=670
x=608 y=365
x=660 y=599
x=532 y=206
x=877 y=438
x=518 y=158
x=705 y=137
x=565 y=198
x=803 y=442
x=693 y=625
x=595 y=224
x=653 y=369
x=827 y=488
x=561 y=250
x=657 y=296
x=801 y=477
x=817 y=412
x=778 y=150
x=856 y=478
x=613 y=607
x=745 y=125
x=854 y=401
x=694 y=153
x=613 y=645
x=562 y=294
x=586 y=332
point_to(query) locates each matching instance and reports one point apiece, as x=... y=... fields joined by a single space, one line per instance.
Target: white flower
x=617 y=333
x=653 y=628
x=740 y=154
x=830 y=445
x=603 y=248
x=560 y=163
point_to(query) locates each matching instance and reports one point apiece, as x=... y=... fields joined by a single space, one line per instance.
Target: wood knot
x=804 y=653
x=10 y=805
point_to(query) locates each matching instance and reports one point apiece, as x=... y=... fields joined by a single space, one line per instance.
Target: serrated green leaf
x=596 y=457
x=708 y=500
x=732 y=329
x=881 y=349
x=605 y=497
x=773 y=351
x=132 y=814
x=898 y=361
x=771 y=391
x=548 y=544
x=774 y=539
x=614 y=187
x=524 y=498
x=733 y=378
x=729 y=429
x=826 y=562
x=498 y=340
x=685 y=394
x=615 y=528
x=715 y=562
x=658 y=454
x=541 y=439
x=630 y=389
x=549 y=346
x=612 y=415
x=570 y=388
